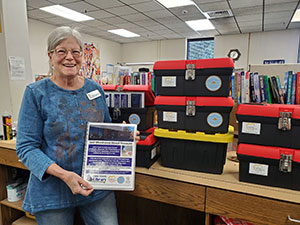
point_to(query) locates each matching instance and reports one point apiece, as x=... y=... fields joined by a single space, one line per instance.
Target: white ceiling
x=153 y=21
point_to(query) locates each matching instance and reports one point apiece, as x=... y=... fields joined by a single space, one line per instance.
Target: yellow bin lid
x=197 y=136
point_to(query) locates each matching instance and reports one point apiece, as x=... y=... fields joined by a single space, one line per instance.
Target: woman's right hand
x=76 y=184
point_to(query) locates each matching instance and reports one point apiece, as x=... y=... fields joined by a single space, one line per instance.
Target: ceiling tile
x=147 y=6
x=135 y=1
x=247 y=18
x=244 y=3
x=169 y=20
x=99 y=14
x=249 y=29
x=147 y=22
x=122 y=10
x=269 y=2
x=199 y=2
x=63 y=1
x=157 y=27
x=56 y=20
x=294 y=25
x=105 y=4
x=37 y=3
x=274 y=26
x=159 y=13
x=94 y=23
x=80 y=7
x=187 y=13
x=247 y=11
x=114 y=20
x=172 y=36
x=38 y=14
x=207 y=7
x=135 y=17
x=281 y=7
x=126 y=25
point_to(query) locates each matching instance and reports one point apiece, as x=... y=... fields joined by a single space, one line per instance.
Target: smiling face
x=66 y=65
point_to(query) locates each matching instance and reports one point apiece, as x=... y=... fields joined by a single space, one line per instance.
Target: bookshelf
x=274 y=69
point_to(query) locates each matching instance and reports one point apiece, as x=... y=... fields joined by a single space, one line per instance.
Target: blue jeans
x=101 y=212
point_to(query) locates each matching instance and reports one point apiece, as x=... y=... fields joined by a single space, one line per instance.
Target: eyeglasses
x=62 y=52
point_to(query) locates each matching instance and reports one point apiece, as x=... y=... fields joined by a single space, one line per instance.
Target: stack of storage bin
x=193 y=110
x=269 y=144
x=134 y=104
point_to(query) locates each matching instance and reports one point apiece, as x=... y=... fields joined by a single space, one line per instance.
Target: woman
x=51 y=135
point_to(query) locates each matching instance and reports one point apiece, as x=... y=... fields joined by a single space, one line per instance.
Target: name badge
x=93 y=94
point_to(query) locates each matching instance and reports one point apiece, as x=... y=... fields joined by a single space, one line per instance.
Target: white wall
x=110 y=52
x=256 y=47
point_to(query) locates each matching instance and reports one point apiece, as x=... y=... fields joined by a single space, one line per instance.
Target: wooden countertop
x=229 y=180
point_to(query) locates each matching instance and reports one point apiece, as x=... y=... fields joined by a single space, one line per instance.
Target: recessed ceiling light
x=66 y=13
x=296 y=17
x=175 y=3
x=124 y=33
x=198 y=25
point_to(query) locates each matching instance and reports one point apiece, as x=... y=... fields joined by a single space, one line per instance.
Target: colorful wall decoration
x=91 y=62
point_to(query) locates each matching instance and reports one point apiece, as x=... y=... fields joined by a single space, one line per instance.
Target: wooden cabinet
x=251 y=208
x=192 y=196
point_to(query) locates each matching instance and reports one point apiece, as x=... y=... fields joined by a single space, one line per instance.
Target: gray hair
x=60 y=34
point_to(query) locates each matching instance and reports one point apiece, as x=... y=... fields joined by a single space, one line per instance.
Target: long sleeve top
x=51 y=129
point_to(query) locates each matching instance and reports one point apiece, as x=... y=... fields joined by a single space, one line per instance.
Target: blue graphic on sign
x=104 y=150
x=213 y=83
x=120 y=180
x=214 y=119
x=97 y=161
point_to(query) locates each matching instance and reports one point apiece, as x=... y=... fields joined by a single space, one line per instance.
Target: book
x=289 y=88
x=293 y=97
x=262 y=88
x=276 y=90
x=297 y=88
x=256 y=88
x=109 y=156
x=251 y=88
x=267 y=89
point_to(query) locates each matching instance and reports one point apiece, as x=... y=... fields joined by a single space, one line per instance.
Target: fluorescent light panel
x=199 y=25
x=175 y=3
x=296 y=17
x=66 y=13
x=123 y=33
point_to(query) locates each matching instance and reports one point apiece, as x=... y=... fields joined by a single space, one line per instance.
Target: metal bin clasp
x=285 y=163
x=284 y=121
x=190 y=72
x=190 y=108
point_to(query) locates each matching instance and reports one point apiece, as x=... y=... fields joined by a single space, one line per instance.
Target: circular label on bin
x=213 y=83
x=134 y=119
x=214 y=119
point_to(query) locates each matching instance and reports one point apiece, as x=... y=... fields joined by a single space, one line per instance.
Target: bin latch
x=190 y=72
x=284 y=122
x=285 y=163
x=116 y=113
x=190 y=108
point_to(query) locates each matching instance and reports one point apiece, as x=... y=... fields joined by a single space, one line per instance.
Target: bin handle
x=293 y=220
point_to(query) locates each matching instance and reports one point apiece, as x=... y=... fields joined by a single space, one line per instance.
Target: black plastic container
x=269 y=124
x=142 y=117
x=268 y=165
x=147 y=149
x=205 y=114
x=202 y=77
x=194 y=151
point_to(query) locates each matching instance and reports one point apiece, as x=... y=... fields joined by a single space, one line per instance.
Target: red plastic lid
x=199 y=101
x=267 y=151
x=268 y=110
x=199 y=64
x=150 y=140
x=109 y=87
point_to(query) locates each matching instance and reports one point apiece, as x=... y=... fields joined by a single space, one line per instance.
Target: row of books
x=125 y=99
x=247 y=87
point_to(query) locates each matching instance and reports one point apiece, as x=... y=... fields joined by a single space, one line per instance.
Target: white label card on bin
x=258 y=169
x=170 y=116
x=168 y=81
x=251 y=128
x=153 y=152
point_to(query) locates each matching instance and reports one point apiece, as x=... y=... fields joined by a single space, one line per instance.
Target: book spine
x=262 y=88
x=252 y=93
x=243 y=97
x=232 y=86
x=298 y=88
x=276 y=90
x=246 y=85
x=256 y=88
x=289 y=89
x=293 y=99
x=267 y=89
